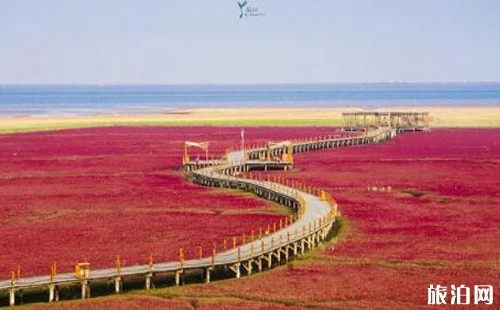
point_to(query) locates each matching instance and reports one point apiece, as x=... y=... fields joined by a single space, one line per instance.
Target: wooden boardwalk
x=313 y=220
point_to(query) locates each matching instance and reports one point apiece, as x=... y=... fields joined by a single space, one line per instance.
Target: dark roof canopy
x=385 y=113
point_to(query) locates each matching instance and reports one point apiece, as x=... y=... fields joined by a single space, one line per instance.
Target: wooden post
x=118 y=264
x=150 y=262
x=178 y=274
x=52 y=287
x=12 y=291
x=82 y=272
x=213 y=258
x=85 y=289
x=181 y=257
x=117 y=284
x=237 y=270
x=149 y=275
x=53 y=271
x=200 y=252
x=207 y=275
x=12 y=297
x=149 y=281
x=52 y=293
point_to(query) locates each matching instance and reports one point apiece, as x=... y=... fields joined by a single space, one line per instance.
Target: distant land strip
x=444 y=117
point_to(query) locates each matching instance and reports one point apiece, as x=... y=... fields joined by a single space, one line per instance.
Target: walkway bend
x=314 y=217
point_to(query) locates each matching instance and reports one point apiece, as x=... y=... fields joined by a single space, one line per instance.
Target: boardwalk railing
x=314 y=217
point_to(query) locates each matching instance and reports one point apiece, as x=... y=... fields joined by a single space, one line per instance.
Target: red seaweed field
x=422 y=196
x=96 y=193
x=421 y=209
x=418 y=210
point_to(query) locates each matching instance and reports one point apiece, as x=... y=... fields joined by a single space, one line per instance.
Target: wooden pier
x=400 y=121
x=314 y=217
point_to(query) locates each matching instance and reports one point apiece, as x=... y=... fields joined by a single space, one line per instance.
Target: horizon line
x=257 y=84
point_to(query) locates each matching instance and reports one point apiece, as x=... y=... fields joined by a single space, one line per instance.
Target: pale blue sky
x=201 y=41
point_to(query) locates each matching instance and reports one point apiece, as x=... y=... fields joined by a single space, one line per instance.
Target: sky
x=291 y=41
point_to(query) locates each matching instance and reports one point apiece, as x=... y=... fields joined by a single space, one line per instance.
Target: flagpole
x=243 y=143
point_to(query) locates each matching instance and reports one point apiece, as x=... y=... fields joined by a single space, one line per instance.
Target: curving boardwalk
x=313 y=220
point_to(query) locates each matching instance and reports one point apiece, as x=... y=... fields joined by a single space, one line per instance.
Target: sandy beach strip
x=440 y=117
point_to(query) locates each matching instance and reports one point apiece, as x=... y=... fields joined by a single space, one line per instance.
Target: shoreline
x=441 y=117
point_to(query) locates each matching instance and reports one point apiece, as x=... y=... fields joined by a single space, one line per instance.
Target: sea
x=74 y=100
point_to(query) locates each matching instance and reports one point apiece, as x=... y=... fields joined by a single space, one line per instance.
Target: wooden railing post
x=213 y=258
x=12 y=290
x=150 y=262
x=118 y=282
x=181 y=257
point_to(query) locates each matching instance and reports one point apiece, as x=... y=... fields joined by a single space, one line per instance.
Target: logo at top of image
x=248 y=9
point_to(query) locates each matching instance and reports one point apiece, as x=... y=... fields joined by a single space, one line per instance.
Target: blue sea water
x=75 y=100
